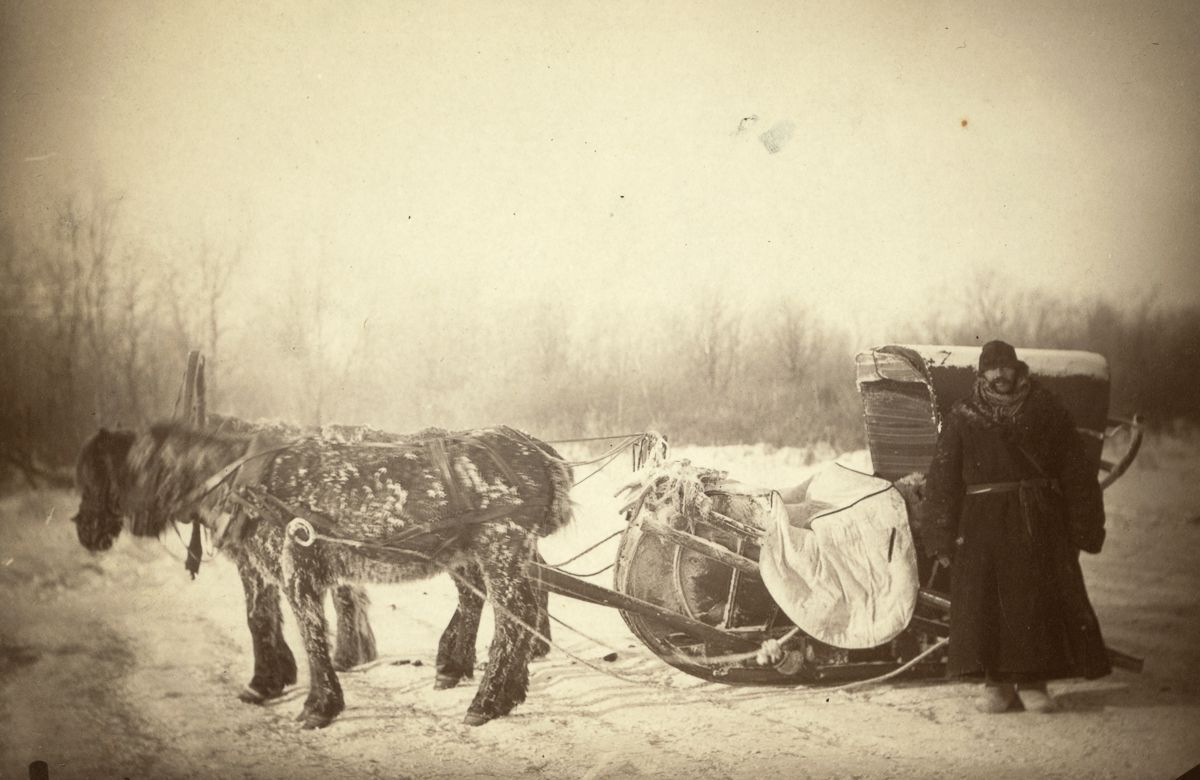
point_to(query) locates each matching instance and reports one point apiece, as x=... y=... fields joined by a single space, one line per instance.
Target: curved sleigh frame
x=687 y=584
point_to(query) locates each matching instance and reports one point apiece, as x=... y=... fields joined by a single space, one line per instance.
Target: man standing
x=1012 y=500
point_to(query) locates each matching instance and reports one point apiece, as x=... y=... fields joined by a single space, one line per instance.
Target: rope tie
x=576 y=557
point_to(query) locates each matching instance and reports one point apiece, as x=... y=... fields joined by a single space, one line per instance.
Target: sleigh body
x=688 y=578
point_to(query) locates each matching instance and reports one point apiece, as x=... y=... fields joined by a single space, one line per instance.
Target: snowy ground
x=116 y=665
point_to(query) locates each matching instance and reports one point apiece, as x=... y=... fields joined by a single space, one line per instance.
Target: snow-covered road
x=116 y=665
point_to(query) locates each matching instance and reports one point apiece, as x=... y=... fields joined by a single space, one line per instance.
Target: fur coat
x=1019 y=607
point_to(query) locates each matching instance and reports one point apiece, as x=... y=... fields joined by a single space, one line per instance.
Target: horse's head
x=167 y=466
x=103 y=478
x=162 y=472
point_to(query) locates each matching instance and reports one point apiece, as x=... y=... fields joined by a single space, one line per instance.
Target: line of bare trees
x=91 y=321
x=1153 y=351
x=94 y=329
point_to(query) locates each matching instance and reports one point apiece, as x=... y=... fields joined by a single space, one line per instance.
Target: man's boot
x=997 y=697
x=1035 y=698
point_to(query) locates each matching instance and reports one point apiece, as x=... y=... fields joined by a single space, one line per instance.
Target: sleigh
x=818 y=583
x=699 y=578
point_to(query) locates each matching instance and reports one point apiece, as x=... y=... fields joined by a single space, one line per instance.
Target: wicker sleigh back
x=907 y=389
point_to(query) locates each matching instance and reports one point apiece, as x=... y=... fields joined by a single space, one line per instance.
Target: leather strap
x=1005 y=487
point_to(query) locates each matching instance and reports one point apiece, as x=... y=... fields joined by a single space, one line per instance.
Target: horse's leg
x=456 y=649
x=355 y=639
x=274 y=664
x=306 y=594
x=501 y=552
x=541 y=647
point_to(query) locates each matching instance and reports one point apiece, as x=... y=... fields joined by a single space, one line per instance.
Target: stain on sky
x=777 y=137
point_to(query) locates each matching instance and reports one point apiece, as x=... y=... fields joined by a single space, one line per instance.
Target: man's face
x=1001 y=380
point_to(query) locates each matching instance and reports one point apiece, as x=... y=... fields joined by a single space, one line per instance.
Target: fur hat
x=998 y=354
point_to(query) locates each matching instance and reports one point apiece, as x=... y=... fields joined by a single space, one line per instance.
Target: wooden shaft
x=933 y=599
x=564 y=584
x=738 y=527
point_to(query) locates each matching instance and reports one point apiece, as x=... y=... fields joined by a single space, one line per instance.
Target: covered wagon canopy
x=907 y=389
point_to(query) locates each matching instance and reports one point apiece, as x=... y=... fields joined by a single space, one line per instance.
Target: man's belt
x=1004 y=487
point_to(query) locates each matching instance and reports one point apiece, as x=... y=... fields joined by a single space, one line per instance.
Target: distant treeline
x=94 y=330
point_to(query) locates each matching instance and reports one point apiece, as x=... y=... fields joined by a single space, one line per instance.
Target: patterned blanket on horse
x=414 y=492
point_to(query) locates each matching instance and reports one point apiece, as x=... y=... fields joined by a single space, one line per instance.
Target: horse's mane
x=167 y=463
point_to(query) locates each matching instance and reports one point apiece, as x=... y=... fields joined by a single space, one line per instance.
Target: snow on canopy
x=875 y=363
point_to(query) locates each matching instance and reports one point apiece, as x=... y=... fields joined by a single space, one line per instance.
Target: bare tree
x=716 y=338
x=216 y=269
x=797 y=336
x=196 y=291
x=131 y=320
x=551 y=336
x=322 y=358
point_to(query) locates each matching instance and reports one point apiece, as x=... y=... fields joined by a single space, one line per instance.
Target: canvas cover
x=844 y=569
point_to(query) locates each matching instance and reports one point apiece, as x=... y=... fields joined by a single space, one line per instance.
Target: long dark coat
x=1019 y=608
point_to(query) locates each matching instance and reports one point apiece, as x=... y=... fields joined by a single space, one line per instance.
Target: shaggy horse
x=274 y=665
x=368 y=512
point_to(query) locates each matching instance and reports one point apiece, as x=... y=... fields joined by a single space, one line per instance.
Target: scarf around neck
x=1002 y=407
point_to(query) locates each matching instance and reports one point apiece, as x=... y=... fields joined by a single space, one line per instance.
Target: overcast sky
x=844 y=152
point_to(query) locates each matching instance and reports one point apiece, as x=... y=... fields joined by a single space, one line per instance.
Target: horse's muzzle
x=91 y=537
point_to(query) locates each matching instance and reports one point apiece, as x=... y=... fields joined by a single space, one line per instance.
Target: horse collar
x=195 y=548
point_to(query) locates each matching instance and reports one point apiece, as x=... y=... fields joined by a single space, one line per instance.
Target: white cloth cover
x=849 y=578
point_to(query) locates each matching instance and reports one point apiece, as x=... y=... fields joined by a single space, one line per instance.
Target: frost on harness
x=379 y=512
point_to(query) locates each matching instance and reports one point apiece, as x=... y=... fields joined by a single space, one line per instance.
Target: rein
x=213 y=482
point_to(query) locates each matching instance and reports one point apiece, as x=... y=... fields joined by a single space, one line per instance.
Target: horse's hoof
x=444 y=681
x=252 y=695
x=315 y=721
x=476 y=719
x=311 y=719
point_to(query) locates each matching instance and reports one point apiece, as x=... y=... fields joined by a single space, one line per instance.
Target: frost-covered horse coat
x=434 y=503
x=274 y=665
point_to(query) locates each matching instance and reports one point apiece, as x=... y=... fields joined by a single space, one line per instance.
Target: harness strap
x=253 y=500
x=195 y=548
x=450 y=523
x=500 y=462
x=216 y=479
x=1006 y=487
x=441 y=459
x=281 y=513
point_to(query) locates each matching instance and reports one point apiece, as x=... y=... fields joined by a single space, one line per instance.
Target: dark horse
x=275 y=668
x=382 y=512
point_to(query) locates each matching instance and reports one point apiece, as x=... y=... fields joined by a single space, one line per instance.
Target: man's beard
x=1003 y=407
x=1002 y=385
